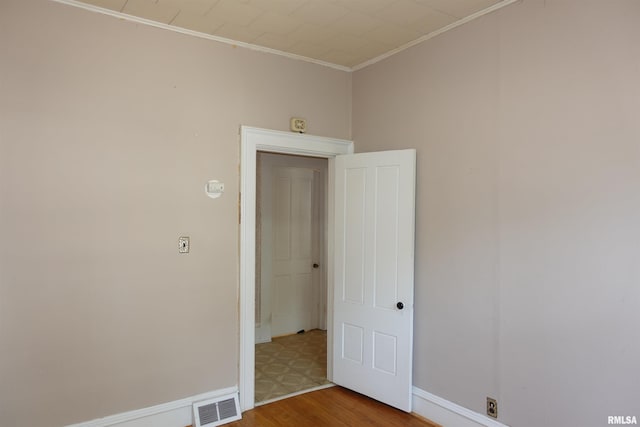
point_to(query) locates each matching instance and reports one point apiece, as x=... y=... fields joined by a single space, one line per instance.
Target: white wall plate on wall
x=214 y=188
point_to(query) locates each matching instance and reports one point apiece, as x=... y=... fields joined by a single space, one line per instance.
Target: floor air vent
x=215 y=412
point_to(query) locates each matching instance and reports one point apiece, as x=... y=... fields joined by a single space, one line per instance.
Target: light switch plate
x=183 y=245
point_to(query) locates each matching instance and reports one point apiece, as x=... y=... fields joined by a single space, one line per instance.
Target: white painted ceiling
x=345 y=33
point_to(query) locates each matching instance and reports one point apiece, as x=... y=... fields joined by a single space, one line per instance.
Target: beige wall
x=527 y=126
x=108 y=132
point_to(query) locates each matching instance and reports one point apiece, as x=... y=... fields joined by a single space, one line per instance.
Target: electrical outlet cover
x=492 y=407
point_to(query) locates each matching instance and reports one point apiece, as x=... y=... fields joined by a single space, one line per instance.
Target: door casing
x=253 y=140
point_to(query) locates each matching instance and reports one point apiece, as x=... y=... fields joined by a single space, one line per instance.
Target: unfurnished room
x=319 y=213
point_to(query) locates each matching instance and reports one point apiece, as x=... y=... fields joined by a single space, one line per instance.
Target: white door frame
x=253 y=140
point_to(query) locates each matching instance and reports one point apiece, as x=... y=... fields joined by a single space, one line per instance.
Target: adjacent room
x=290 y=278
x=123 y=286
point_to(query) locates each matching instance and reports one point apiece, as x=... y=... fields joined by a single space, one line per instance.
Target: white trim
x=164 y=415
x=198 y=34
x=329 y=261
x=263 y=340
x=297 y=393
x=447 y=413
x=252 y=141
x=360 y=66
x=433 y=34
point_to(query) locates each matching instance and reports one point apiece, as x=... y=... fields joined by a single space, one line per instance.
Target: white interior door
x=292 y=285
x=373 y=274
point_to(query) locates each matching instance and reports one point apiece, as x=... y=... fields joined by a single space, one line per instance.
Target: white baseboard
x=171 y=414
x=263 y=333
x=448 y=414
x=179 y=413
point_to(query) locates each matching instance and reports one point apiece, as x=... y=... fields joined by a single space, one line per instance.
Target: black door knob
x=400 y=306
x=316 y=265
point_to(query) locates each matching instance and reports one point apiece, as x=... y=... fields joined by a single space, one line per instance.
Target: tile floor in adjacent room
x=291 y=364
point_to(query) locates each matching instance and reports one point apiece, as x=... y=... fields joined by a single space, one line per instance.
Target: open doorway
x=291 y=277
x=371 y=201
x=254 y=140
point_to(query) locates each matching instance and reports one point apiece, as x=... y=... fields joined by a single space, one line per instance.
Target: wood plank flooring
x=330 y=407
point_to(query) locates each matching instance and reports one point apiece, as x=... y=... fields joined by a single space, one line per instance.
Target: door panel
x=352 y=343
x=373 y=272
x=282 y=218
x=385 y=291
x=355 y=216
x=384 y=352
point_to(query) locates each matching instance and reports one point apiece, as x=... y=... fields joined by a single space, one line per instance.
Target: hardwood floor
x=330 y=407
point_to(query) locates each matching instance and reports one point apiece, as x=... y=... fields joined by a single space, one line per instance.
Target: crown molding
x=126 y=17
x=433 y=34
